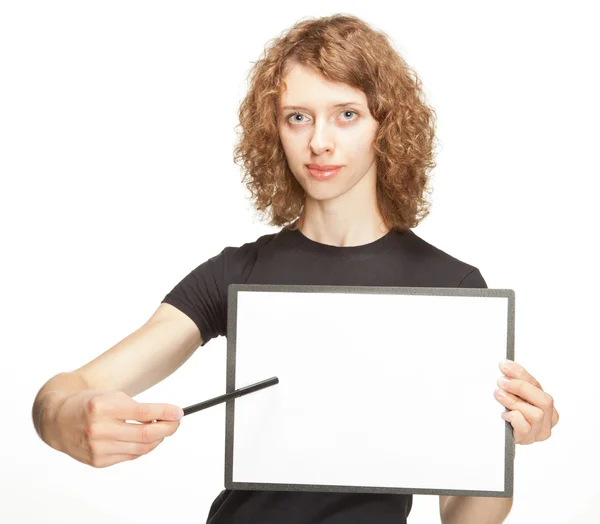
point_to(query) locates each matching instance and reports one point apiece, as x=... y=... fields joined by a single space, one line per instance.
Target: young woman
x=336 y=147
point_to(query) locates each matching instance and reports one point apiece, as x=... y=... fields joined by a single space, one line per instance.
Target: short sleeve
x=202 y=293
x=473 y=279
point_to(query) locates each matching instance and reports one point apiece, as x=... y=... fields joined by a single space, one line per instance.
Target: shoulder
x=434 y=259
x=236 y=262
x=247 y=251
x=249 y=248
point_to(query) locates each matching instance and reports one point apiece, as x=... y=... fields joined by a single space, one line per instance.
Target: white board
x=381 y=389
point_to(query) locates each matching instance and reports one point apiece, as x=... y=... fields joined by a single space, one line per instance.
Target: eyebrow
x=341 y=104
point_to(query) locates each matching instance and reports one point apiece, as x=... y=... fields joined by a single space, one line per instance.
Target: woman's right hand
x=91 y=426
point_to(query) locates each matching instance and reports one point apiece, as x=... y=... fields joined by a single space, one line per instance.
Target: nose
x=321 y=140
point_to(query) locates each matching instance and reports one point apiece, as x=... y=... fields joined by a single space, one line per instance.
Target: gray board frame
x=234 y=289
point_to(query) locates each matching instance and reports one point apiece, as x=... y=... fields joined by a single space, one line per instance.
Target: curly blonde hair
x=343 y=48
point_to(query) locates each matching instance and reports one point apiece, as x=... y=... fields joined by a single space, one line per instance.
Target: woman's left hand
x=532 y=413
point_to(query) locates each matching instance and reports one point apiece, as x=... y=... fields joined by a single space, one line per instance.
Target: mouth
x=322 y=172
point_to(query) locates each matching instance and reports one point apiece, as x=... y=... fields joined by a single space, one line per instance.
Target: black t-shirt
x=291 y=258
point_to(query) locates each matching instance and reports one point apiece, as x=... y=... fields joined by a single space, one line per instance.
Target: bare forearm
x=475 y=510
x=52 y=391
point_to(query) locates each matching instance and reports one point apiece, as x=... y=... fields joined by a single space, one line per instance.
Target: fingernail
x=505 y=364
x=179 y=413
x=503 y=381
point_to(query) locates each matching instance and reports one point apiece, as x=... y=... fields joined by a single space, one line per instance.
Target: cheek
x=288 y=144
x=357 y=144
x=356 y=155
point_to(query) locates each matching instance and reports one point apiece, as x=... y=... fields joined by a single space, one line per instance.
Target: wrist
x=49 y=406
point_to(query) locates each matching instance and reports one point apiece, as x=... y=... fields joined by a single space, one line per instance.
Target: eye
x=350 y=111
x=294 y=115
x=300 y=114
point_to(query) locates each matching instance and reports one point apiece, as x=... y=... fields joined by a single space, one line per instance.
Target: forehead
x=307 y=88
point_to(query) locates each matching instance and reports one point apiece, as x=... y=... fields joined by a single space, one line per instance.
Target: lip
x=320 y=174
x=323 y=167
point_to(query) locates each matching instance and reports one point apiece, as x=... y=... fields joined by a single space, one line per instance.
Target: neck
x=350 y=219
x=342 y=230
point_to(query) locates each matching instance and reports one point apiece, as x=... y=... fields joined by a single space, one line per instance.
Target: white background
x=116 y=133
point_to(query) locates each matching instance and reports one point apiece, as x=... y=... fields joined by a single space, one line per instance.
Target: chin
x=324 y=194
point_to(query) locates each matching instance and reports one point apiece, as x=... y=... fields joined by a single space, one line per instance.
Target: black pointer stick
x=228 y=396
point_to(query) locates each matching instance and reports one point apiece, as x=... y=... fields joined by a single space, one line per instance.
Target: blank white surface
x=375 y=390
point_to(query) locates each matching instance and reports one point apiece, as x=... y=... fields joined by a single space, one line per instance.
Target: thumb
x=147 y=412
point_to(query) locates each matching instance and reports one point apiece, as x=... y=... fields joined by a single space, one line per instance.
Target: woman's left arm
x=532 y=415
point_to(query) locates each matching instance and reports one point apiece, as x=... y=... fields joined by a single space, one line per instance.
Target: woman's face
x=315 y=131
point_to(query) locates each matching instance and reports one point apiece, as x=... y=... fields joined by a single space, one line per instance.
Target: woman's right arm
x=83 y=412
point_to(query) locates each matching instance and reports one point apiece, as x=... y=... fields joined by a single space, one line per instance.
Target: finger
x=532 y=414
x=513 y=370
x=130 y=432
x=539 y=417
x=146 y=412
x=147 y=431
x=529 y=393
x=546 y=402
x=100 y=448
x=109 y=460
x=533 y=395
x=521 y=428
